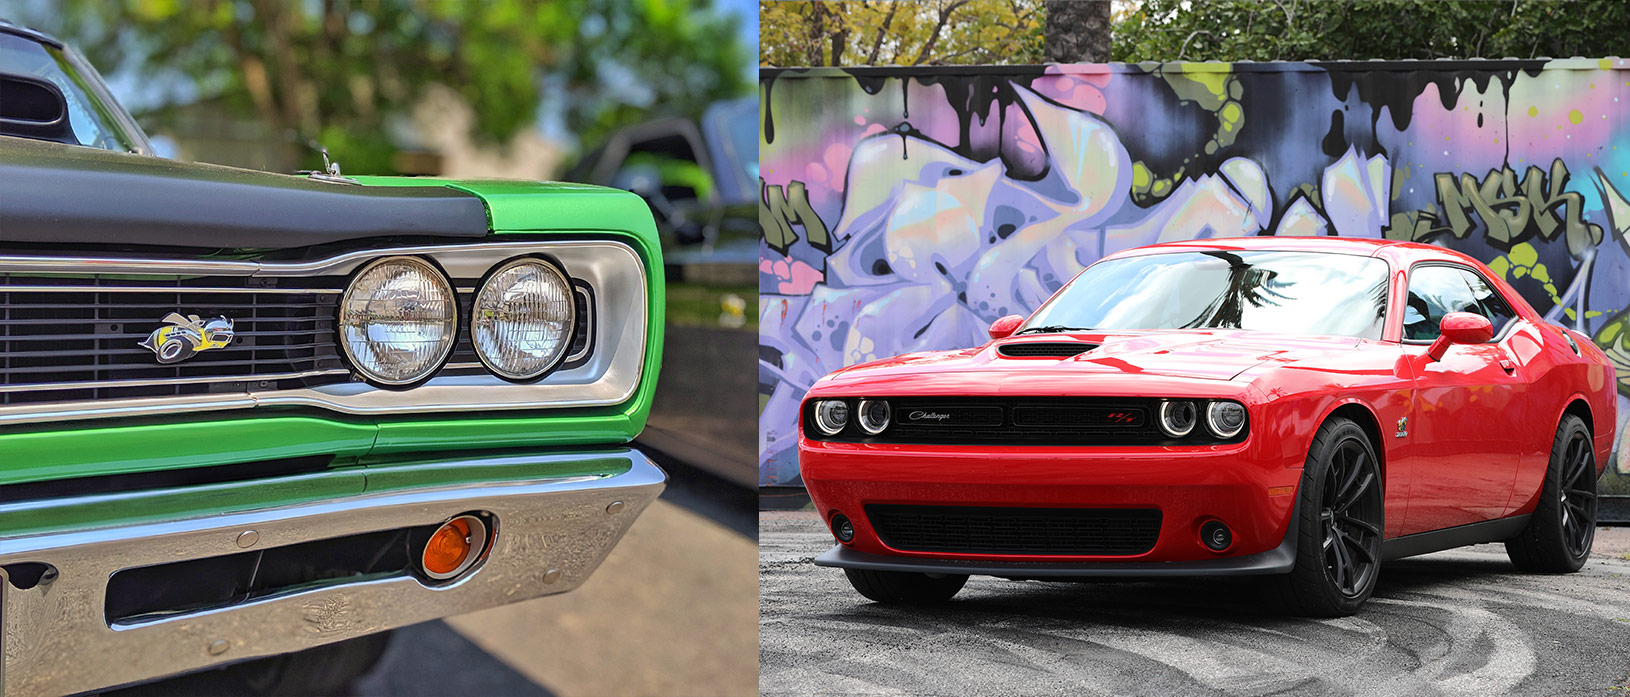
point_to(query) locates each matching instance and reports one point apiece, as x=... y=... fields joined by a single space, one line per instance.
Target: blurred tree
x=1263 y=30
x=338 y=71
x=899 y=32
x=1078 y=31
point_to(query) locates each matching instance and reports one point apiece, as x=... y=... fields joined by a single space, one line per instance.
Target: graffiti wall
x=904 y=209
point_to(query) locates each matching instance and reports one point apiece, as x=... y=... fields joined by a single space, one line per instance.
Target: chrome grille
x=70 y=339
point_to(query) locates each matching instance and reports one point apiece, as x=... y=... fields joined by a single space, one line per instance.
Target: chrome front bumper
x=551 y=534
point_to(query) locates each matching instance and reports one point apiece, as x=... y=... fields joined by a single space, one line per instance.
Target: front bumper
x=1251 y=487
x=553 y=530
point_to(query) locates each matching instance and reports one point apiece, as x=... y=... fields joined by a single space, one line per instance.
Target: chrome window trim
x=610 y=376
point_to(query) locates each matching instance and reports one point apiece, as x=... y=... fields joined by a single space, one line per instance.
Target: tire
x=1339 y=526
x=1559 y=534
x=904 y=587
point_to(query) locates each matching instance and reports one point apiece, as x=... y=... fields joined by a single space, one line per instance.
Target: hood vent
x=1045 y=350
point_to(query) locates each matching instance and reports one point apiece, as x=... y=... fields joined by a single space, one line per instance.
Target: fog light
x=843 y=529
x=454 y=547
x=1216 y=535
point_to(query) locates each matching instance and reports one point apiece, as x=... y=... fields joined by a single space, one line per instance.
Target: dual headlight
x=1223 y=418
x=399 y=320
x=832 y=416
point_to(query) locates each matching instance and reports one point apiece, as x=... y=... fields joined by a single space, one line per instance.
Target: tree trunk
x=1078 y=31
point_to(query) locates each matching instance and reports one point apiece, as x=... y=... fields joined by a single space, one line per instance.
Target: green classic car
x=244 y=414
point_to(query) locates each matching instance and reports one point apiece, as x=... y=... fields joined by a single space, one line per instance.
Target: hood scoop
x=1045 y=349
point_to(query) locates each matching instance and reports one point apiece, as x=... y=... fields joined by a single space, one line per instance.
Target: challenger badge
x=181 y=337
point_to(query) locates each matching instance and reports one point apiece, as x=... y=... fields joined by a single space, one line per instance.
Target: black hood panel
x=53 y=194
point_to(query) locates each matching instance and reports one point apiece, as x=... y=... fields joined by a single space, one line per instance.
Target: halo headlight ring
x=566 y=341
x=1178 y=417
x=830 y=416
x=357 y=366
x=873 y=415
x=1225 y=418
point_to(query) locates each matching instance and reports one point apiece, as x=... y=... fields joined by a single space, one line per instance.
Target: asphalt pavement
x=1462 y=622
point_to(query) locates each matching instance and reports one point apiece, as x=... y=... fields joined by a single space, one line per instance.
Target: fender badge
x=1403 y=427
x=182 y=337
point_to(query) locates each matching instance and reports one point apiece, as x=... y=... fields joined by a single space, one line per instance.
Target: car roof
x=1399 y=252
x=7 y=27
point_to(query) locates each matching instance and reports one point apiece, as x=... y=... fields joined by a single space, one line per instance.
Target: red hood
x=1182 y=355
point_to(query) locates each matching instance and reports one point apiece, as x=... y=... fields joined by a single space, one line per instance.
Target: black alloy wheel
x=1352 y=500
x=1559 y=533
x=1339 y=525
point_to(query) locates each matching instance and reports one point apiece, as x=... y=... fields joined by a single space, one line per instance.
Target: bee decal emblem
x=182 y=337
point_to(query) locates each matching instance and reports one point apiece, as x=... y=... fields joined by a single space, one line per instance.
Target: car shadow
x=1162 y=603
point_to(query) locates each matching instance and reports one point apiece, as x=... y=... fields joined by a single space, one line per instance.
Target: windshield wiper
x=1052 y=329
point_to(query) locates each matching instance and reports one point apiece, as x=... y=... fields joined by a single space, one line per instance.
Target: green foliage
x=1264 y=30
x=343 y=71
x=900 y=32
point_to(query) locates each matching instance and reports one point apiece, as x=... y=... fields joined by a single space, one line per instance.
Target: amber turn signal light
x=454 y=547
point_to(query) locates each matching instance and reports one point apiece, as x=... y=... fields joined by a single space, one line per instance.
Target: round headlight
x=398 y=320
x=1225 y=419
x=831 y=416
x=522 y=319
x=874 y=415
x=1177 y=417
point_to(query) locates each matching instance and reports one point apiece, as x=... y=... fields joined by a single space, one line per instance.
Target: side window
x=1435 y=291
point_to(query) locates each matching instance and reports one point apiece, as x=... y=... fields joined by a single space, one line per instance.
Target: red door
x=1469 y=410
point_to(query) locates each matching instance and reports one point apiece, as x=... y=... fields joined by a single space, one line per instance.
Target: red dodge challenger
x=1301 y=409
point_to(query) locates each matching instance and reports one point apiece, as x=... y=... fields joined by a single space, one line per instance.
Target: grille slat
x=67 y=339
x=1027 y=531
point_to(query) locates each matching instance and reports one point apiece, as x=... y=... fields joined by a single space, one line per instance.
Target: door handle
x=1508 y=365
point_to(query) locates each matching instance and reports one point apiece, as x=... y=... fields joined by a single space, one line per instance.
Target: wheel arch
x=1580 y=407
x=1361 y=414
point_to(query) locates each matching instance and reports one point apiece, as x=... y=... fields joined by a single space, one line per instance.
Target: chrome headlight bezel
x=567 y=339
x=430 y=368
x=1211 y=418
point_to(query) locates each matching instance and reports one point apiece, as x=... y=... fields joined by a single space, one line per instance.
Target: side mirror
x=1004 y=327
x=1460 y=328
x=34 y=108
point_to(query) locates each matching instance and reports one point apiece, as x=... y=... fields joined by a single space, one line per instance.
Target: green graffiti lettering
x=1509 y=211
x=778 y=211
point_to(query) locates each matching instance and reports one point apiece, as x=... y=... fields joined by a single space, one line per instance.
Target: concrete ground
x=1462 y=622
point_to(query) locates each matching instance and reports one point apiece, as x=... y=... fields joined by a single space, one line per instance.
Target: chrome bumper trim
x=552 y=534
x=610 y=376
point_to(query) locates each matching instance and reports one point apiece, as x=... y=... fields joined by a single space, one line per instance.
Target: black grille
x=1044 y=350
x=1020 y=421
x=85 y=333
x=1033 y=531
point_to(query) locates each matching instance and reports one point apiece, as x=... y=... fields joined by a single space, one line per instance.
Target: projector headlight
x=398 y=321
x=522 y=319
x=831 y=415
x=1177 y=417
x=874 y=416
x=1225 y=419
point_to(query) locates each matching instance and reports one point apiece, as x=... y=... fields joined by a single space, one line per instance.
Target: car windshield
x=98 y=121
x=1289 y=292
